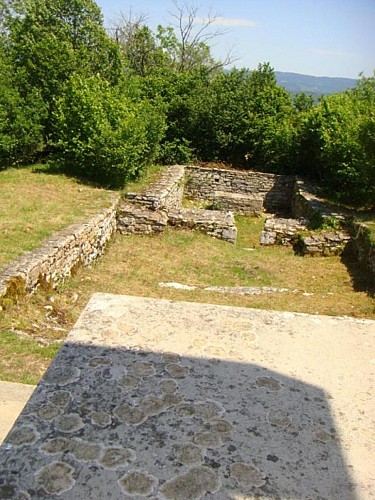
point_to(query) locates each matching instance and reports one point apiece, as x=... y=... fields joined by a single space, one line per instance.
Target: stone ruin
x=226 y=192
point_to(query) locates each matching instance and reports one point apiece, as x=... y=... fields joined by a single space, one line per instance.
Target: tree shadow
x=55 y=168
x=110 y=422
x=361 y=279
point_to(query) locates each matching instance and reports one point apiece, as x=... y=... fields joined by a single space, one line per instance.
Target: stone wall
x=137 y=219
x=274 y=190
x=166 y=193
x=54 y=260
x=161 y=204
x=215 y=223
x=244 y=204
x=351 y=238
x=323 y=243
x=278 y=231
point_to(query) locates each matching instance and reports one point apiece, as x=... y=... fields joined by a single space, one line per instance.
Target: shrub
x=105 y=135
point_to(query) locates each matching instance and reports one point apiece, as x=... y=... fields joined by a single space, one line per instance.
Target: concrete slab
x=13 y=398
x=174 y=400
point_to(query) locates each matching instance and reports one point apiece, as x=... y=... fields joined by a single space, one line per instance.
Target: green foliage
x=106 y=108
x=105 y=135
x=303 y=102
x=177 y=151
x=337 y=144
x=239 y=117
x=49 y=40
x=21 y=133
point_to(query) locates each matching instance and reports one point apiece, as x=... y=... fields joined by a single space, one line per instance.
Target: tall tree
x=49 y=40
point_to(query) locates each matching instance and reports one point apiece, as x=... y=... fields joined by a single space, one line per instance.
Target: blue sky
x=314 y=37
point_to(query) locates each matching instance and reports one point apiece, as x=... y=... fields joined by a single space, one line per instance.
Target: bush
x=337 y=145
x=105 y=135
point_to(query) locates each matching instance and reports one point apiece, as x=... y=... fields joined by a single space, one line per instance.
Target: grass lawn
x=135 y=265
x=34 y=204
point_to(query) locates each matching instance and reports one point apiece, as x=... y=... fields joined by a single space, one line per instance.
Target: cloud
x=232 y=22
x=333 y=53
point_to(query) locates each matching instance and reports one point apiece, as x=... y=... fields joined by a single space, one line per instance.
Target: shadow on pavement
x=126 y=423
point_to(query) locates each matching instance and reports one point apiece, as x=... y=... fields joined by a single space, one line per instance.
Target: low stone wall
x=215 y=223
x=150 y=211
x=325 y=243
x=137 y=219
x=279 y=231
x=249 y=204
x=54 y=260
x=350 y=237
x=275 y=190
x=166 y=193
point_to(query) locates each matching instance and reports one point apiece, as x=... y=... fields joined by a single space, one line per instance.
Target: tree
x=303 y=102
x=49 y=40
x=337 y=145
x=21 y=133
x=181 y=48
x=106 y=135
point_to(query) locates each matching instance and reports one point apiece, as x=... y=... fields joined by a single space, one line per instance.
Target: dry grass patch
x=135 y=265
x=35 y=204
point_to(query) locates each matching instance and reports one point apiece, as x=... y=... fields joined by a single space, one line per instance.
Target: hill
x=315 y=85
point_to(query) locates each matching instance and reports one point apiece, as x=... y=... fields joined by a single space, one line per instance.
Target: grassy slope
x=34 y=204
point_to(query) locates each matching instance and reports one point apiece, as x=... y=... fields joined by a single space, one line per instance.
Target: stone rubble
x=236 y=290
x=278 y=231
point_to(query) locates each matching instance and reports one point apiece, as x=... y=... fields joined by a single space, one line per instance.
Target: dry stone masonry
x=275 y=191
x=325 y=243
x=244 y=204
x=160 y=205
x=361 y=249
x=54 y=260
x=278 y=231
x=215 y=223
x=137 y=219
x=164 y=194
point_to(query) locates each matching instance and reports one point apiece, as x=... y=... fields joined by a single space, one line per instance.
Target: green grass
x=23 y=360
x=35 y=204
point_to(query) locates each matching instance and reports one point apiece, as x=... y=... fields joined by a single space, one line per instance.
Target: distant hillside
x=316 y=85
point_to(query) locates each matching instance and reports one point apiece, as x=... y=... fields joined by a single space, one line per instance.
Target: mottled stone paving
x=173 y=400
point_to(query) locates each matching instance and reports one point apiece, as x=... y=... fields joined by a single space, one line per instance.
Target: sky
x=314 y=37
